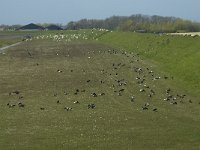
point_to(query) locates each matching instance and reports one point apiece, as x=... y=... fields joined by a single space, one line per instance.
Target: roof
x=31 y=26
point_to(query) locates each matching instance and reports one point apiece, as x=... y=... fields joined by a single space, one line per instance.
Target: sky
x=64 y=11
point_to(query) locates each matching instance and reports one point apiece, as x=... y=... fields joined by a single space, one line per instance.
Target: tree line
x=135 y=23
x=140 y=23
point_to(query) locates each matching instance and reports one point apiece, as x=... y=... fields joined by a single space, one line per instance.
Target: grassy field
x=6 y=42
x=9 y=38
x=176 y=55
x=138 y=100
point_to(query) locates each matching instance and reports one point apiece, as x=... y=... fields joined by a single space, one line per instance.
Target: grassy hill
x=176 y=55
x=66 y=90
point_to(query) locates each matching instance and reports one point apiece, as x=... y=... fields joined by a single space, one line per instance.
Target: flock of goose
x=69 y=37
x=144 y=80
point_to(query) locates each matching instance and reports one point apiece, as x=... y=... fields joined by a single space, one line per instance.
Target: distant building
x=53 y=27
x=31 y=27
x=1 y=29
x=140 y=31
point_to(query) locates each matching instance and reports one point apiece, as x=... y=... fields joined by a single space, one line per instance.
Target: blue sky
x=63 y=11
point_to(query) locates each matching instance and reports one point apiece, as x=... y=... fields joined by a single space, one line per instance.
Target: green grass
x=116 y=122
x=7 y=42
x=176 y=55
x=11 y=37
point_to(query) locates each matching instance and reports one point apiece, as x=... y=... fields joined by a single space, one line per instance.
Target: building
x=141 y=31
x=31 y=27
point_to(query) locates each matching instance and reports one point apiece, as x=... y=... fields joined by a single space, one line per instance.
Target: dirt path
x=6 y=47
